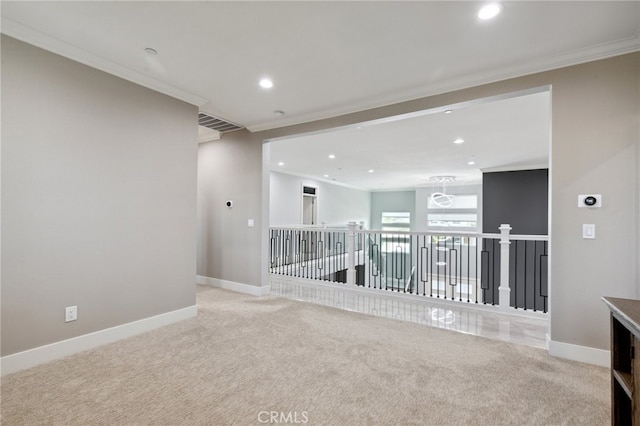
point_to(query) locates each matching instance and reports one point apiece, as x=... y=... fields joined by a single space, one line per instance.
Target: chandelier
x=442 y=199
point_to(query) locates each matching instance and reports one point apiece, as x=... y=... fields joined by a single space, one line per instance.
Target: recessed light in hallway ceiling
x=266 y=83
x=489 y=11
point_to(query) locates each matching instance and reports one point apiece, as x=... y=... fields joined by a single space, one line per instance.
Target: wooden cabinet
x=625 y=360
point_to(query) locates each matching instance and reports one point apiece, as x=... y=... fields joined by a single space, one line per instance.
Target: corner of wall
x=234 y=286
x=599 y=357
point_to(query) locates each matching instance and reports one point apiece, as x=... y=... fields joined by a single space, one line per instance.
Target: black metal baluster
x=431 y=266
x=493 y=272
x=468 y=267
x=476 y=285
x=525 y=276
x=535 y=275
x=438 y=268
x=515 y=274
x=424 y=268
x=546 y=260
x=484 y=275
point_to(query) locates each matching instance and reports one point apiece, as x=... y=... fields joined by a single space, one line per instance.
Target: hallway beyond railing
x=495 y=269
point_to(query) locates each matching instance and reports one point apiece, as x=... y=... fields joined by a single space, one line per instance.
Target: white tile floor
x=481 y=320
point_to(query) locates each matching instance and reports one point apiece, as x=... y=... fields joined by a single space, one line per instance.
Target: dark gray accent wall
x=519 y=198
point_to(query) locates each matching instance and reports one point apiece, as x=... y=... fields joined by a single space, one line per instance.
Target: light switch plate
x=589 y=231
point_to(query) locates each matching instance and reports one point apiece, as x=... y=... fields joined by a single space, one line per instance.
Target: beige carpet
x=244 y=357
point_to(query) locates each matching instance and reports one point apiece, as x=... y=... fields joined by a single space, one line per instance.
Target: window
x=452 y=212
x=396 y=221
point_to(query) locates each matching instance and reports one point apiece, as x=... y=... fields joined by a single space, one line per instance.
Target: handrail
x=479 y=267
x=308 y=228
x=436 y=233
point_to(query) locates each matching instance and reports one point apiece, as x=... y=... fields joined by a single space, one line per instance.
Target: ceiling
x=334 y=57
x=402 y=152
x=325 y=58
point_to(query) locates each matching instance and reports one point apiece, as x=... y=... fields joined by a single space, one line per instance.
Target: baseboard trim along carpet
x=579 y=353
x=234 y=286
x=43 y=354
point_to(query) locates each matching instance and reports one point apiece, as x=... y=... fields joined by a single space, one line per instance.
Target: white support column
x=504 y=291
x=351 y=271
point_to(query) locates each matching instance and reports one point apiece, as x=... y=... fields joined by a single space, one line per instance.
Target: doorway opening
x=309 y=205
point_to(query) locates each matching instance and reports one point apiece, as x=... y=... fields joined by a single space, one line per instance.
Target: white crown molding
x=575 y=57
x=208 y=138
x=319 y=179
x=43 y=41
x=208 y=135
x=602 y=51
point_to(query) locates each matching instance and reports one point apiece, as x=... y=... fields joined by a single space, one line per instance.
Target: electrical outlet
x=70 y=313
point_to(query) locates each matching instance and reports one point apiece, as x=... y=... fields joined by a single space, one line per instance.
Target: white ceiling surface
x=508 y=134
x=325 y=58
x=335 y=57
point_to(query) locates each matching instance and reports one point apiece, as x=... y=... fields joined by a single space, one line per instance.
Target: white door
x=309 y=210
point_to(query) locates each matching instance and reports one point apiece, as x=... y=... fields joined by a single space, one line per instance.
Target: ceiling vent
x=216 y=124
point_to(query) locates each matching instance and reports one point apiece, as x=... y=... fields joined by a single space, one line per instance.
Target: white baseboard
x=234 y=286
x=586 y=354
x=32 y=357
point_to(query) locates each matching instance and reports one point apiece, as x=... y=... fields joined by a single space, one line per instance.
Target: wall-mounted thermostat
x=590 y=200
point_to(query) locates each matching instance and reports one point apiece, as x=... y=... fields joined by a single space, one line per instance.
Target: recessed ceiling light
x=281 y=164
x=150 y=51
x=266 y=83
x=326 y=176
x=489 y=11
x=471 y=163
x=370 y=170
x=332 y=156
x=278 y=112
x=458 y=141
x=448 y=111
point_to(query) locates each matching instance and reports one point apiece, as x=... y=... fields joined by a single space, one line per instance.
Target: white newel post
x=351 y=271
x=504 y=290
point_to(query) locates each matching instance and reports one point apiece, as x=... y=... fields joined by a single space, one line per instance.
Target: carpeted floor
x=246 y=360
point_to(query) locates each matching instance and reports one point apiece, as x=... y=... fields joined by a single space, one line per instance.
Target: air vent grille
x=217 y=124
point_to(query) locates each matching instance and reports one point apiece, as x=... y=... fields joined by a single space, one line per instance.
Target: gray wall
x=98 y=199
x=230 y=169
x=392 y=201
x=595 y=137
x=518 y=198
x=337 y=205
